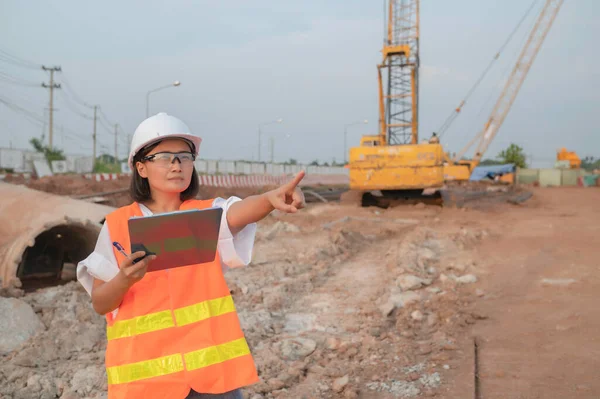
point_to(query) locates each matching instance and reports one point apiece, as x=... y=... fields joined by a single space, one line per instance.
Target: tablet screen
x=179 y=238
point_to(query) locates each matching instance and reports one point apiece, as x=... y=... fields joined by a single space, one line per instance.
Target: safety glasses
x=165 y=159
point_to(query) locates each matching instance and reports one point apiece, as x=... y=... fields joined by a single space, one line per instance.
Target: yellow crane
x=458 y=169
x=392 y=163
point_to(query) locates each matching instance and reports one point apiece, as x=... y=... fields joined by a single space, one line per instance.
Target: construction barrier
x=552 y=177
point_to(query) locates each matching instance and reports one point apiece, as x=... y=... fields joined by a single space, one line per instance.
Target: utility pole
x=116 y=153
x=94 y=135
x=51 y=86
x=259 y=143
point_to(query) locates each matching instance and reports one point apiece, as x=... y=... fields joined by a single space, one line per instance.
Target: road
x=541 y=338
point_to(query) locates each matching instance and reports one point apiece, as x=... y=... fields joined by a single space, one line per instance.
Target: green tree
x=513 y=154
x=590 y=163
x=51 y=154
x=314 y=163
x=490 y=162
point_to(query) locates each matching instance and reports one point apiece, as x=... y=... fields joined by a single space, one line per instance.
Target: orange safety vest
x=175 y=329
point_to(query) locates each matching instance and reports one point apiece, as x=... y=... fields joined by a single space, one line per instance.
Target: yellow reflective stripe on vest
x=204 y=310
x=174 y=363
x=162 y=320
x=146 y=369
x=140 y=325
x=216 y=354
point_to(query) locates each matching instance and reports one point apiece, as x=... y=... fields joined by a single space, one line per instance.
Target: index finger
x=296 y=180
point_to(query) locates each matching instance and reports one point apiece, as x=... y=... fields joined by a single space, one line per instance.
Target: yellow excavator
x=570 y=157
x=394 y=164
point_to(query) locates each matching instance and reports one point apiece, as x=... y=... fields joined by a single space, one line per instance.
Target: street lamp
x=174 y=84
x=272 y=139
x=260 y=133
x=346 y=134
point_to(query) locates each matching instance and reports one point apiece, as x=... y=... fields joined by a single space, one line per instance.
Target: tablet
x=180 y=238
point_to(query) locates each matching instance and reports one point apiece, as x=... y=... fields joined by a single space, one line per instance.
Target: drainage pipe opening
x=53 y=258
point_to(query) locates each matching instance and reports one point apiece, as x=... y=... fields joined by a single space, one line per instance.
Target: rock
x=448 y=346
x=434 y=290
x=400 y=389
x=280 y=227
x=375 y=331
x=409 y=282
x=458 y=267
x=558 y=282
x=273 y=301
x=479 y=292
x=432 y=319
x=86 y=380
x=466 y=279
x=426 y=253
x=387 y=308
x=340 y=383
x=406 y=298
x=425 y=348
x=352 y=352
x=19 y=324
x=430 y=380
x=286 y=378
x=297 y=348
x=417 y=315
x=315 y=369
x=420 y=205
x=257 y=396
x=68 y=394
x=299 y=322
x=446 y=367
x=431 y=270
x=275 y=383
x=350 y=394
x=332 y=343
x=33 y=383
x=399 y=301
x=323 y=387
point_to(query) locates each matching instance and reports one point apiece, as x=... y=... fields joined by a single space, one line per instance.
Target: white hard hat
x=159 y=127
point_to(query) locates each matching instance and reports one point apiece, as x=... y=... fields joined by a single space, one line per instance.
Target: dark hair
x=139 y=188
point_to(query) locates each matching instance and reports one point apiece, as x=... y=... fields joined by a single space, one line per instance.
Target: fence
x=551 y=177
x=21 y=161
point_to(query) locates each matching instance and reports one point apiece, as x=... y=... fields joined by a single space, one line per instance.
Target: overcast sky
x=312 y=63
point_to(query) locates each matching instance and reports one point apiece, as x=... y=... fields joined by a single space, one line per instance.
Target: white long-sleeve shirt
x=235 y=250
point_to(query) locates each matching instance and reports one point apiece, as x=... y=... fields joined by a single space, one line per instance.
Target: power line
x=102 y=114
x=104 y=120
x=72 y=107
x=17 y=81
x=456 y=111
x=102 y=123
x=16 y=61
x=35 y=118
x=73 y=93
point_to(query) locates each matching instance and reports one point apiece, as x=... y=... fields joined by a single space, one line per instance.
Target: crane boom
x=515 y=81
x=398 y=103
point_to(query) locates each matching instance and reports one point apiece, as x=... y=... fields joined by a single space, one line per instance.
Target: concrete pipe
x=41 y=233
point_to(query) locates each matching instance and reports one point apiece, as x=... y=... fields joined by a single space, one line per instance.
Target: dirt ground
x=540 y=276
x=347 y=302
